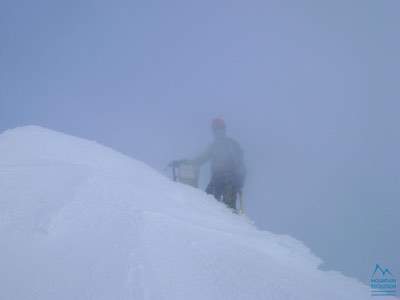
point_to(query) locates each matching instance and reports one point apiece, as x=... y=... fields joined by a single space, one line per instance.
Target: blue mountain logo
x=382 y=271
x=383 y=282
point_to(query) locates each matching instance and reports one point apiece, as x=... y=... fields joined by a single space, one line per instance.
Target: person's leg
x=210 y=188
x=214 y=188
x=230 y=195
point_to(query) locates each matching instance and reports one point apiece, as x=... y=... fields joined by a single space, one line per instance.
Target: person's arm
x=203 y=157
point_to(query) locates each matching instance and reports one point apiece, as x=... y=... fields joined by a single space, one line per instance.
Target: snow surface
x=81 y=221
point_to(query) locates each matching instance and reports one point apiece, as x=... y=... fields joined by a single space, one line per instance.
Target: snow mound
x=81 y=221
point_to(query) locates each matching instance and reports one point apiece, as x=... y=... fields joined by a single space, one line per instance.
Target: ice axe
x=173 y=165
x=184 y=171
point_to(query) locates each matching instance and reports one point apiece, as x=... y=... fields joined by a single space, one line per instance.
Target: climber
x=227 y=165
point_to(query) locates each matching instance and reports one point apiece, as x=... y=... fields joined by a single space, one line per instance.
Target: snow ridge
x=81 y=221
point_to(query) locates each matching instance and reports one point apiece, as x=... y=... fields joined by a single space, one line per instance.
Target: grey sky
x=310 y=88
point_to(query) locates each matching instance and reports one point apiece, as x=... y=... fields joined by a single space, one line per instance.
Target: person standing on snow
x=227 y=165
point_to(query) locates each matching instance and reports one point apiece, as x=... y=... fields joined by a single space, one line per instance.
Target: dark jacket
x=226 y=157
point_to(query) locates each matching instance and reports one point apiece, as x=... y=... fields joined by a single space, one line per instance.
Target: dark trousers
x=223 y=187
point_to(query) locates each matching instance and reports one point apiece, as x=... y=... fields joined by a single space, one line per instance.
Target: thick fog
x=310 y=89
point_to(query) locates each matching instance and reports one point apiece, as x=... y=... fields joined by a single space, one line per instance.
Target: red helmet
x=218 y=123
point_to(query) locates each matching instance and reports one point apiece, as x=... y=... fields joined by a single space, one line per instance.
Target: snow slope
x=81 y=221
